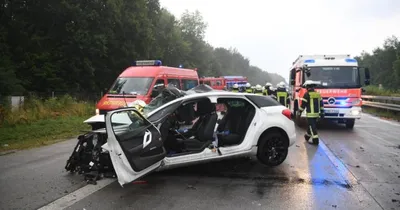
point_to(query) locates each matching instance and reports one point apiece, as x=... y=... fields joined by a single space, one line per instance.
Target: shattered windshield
x=167 y=94
x=131 y=85
x=336 y=76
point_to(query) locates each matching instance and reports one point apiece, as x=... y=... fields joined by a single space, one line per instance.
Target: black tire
x=272 y=149
x=350 y=123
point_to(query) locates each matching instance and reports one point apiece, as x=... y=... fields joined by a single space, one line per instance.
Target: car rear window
x=263 y=101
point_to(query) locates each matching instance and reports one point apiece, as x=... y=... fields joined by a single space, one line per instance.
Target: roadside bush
x=35 y=109
x=374 y=90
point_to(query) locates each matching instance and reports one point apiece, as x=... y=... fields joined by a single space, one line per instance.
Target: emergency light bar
x=148 y=63
x=309 y=61
x=351 y=60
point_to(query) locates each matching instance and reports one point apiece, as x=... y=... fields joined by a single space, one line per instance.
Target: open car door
x=134 y=144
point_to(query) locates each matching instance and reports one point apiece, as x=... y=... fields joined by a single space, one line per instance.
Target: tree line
x=384 y=64
x=83 y=45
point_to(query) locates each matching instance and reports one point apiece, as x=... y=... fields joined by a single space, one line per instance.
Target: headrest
x=186 y=112
x=205 y=107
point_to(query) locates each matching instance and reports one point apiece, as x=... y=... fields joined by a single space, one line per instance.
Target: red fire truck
x=219 y=83
x=340 y=87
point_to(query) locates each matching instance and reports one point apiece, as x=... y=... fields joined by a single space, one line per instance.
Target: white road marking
x=342 y=169
x=77 y=195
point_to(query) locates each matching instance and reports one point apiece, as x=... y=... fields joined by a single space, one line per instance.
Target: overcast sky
x=273 y=33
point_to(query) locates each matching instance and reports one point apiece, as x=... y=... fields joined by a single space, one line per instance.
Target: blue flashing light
x=181 y=66
x=351 y=60
x=309 y=61
x=343 y=103
x=147 y=63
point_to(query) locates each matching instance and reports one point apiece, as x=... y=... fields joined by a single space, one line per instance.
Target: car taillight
x=287 y=113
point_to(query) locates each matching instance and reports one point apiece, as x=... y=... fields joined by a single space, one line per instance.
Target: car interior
x=234 y=125
x=229 y=125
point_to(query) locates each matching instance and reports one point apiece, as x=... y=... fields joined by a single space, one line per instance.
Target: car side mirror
x=367 y=80
x=363 y=90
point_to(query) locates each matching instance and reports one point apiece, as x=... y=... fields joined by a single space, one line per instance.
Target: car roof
x=152 y=71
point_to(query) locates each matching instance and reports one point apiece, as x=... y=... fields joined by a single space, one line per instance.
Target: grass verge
x=41 y=122
x=385 y=114
x=41 y=132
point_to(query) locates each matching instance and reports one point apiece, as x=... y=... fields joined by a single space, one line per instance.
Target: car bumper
x=340 y=113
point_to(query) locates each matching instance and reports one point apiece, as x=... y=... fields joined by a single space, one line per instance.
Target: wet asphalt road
x=350 y=169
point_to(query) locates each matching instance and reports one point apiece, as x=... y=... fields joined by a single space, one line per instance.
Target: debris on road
x=297 y=145
x=334 y=206
x=357 y=166
x=190 y=187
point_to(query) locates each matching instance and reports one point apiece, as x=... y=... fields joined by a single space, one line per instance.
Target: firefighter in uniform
x=248 y=88
x=314 y=106
x=253 y=88
x=267 y=89
x=282 y=96
x=235 y=88
x=258 y=90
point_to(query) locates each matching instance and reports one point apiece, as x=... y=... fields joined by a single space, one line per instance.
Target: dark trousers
x=312 y=128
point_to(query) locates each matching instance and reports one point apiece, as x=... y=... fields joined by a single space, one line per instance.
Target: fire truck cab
x=340 y=88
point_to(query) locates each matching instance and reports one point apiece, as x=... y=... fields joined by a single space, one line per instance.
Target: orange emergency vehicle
x=143 y=81
x=340 y=87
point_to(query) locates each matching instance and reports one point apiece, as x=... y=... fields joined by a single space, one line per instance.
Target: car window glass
x=189 y=84
x=160 y=114
x=174 y=82
x=263 y=101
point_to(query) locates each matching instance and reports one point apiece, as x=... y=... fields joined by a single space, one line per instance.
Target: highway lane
x=32 y=178
x=361 y=172
x=371 y=152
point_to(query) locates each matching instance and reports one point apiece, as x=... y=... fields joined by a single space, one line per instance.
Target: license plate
x=332 y=111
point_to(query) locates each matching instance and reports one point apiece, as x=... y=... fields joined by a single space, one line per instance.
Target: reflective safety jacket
x=268 y=91
x=235 y=90
x=249 y=90
x=258 y=92
x=313 y=103
x=283 y=97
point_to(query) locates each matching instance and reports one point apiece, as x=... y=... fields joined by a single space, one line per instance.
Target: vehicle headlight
x=355 y=102
x=355 y=112
x=97 y=111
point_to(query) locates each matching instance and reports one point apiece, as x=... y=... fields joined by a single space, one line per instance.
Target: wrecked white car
x=224 y=125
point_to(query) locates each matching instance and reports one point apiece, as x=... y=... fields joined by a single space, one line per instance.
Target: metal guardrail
x=382 y=102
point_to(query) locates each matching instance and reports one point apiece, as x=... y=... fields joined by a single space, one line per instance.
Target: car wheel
x=272 y=149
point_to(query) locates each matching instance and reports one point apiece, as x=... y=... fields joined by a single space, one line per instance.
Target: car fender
x=275 y=119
